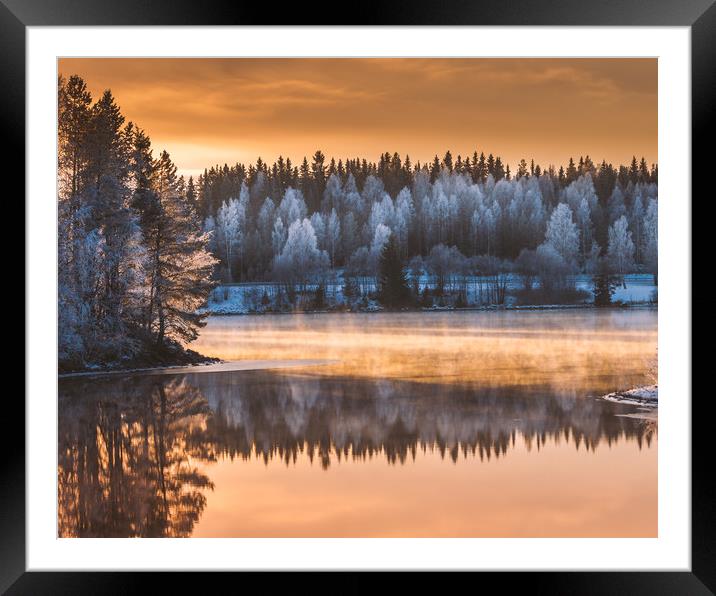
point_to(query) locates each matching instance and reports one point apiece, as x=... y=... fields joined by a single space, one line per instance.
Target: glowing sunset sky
x=216 y=111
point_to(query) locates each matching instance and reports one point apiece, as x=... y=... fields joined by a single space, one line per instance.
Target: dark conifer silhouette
x=605 y=284
x=393 y=288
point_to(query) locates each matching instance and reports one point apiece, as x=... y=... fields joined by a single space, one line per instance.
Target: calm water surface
x=419 y=424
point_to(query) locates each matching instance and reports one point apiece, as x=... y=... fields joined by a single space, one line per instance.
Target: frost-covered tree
x=621 y=248
x=318 y=221
x=264 y=224
x=527 y=266
x=349 y=234
x=121 y=254
x=416 y=266
x=490 y=221
x=266 y=217
x=382 y=213
x=99 y=240
x=230 y=221
x=292 y=207
x=553 y=271
x=210 y=228
x=179 y=265
x=300 y=261
x=380 y=237
x=650 y=248
x=333 y=194
x=615 y=206
x=403 y=219
x=635 y=223
x=584 y=220
x=360 y=266
x=443 y=263
x=562 y=234
x=333 y=236
x=278 y=236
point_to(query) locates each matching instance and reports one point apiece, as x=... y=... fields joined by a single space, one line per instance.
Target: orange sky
x=209 y=111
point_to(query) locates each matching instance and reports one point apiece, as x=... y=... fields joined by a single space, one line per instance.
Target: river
x=475 y=423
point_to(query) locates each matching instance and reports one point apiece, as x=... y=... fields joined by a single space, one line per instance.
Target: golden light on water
x=479 y=348
x=562 y=492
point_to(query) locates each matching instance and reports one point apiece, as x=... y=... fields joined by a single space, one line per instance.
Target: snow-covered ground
x=640 y=289
x=643 y=396
x=259 y=297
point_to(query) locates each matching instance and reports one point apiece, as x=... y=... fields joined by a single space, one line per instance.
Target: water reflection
x=125 y=466
x=134 y=451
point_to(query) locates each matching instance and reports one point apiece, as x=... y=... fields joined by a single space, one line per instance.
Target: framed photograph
x=370 y=296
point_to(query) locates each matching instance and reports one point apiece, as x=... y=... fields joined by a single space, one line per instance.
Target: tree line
x=298 y=225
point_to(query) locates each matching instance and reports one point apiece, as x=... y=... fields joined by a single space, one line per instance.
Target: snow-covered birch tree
x=562 y=234
x=621 y=248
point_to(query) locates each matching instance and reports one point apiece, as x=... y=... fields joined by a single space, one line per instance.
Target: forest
x=140 y=248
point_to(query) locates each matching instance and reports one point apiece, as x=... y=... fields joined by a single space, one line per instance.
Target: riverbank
x=150 y=358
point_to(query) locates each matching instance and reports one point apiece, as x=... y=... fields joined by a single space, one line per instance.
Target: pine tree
x=318 y=172
x=191 y=192
x=604 y=284
x=393 y=287
x=435 y=169
x=571 y=172
x=499 y=169
x=447 y=161
x=105 y=145
x=180 y=265
x=634 y=170
x=74 y=101
x=522 y=169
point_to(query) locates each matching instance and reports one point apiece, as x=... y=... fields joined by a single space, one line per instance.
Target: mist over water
x=580 y=350
x=430 y=424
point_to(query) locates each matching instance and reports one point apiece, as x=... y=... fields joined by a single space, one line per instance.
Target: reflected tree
x=126 y=471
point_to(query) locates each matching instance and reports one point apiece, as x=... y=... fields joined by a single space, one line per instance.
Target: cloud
x=229 y=109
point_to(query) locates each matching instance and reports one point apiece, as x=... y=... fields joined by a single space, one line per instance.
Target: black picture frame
x=700 y=15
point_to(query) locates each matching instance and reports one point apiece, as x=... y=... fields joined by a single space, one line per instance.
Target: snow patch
x=643 y=396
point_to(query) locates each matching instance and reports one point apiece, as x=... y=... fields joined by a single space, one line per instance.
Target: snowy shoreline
x=640 y=396
x=270 y=298
x=208 y=367
x=228 y=312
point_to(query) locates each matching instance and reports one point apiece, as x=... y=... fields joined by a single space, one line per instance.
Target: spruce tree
x=179 y=264
x=604 y=284
x=393 y=288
